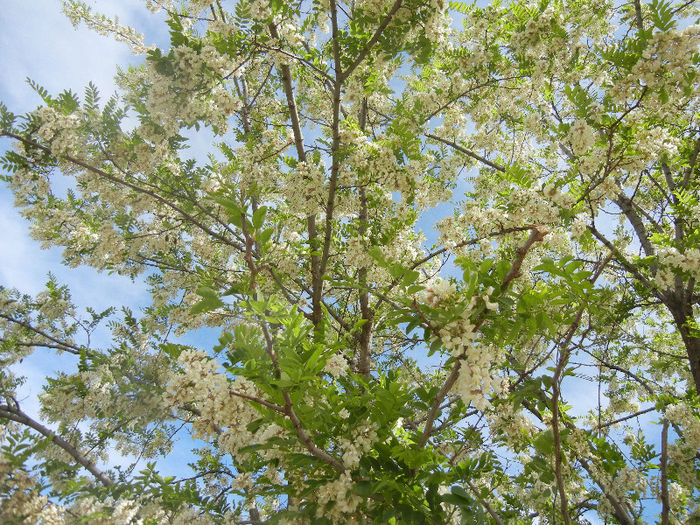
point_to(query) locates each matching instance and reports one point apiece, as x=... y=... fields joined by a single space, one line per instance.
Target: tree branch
x=638 y=15
x=563 y=500
x=627 y=207
x=60 y=345
x=467 y=152
x=15 y=414
x=484 y=503
x=372 y=41
x=129 y=185
x=316 y=278
x=289 y=411
x=536 y=235
x=367 y=329
x=622 y=260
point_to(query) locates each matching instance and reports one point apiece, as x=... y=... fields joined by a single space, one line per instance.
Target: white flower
x=581 y=136
x=336 y=366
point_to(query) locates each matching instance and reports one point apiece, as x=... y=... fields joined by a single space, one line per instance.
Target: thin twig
x=373 y=40
x=536 y=235
x=484 y=503
x=467 y=152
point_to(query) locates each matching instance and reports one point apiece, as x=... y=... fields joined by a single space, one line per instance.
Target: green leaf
x=210 y=301
x=462 y=7
x=265 y=235
x=461 y=493
x=259 y=217
x=544 y=443
x=662 y=15
x=410 y=277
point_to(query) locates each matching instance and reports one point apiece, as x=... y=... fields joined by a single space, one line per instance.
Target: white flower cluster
x=682 y=415
x=652 y=143
x=59 y=130
x=22 y=503
x=581 y=136
x=191 y=93
x=29 y=187
x=373 y=7
x=78 y=12
x=458 y=335
x=524 y=206
x=304 y=188
x=682 y=452
x=429 y=193
x=355 y=253
x=338 y=492
x=579 y=224
x=678 y=498
x=629 y=479
x=359 y=443
x=475 y=380
x=668 y=55
x=511 y=426
x=209 y=390
x=21 y=499
x=557 y=197
x=437 y=291
x=197 y=6
x=260 y=9
x=155 y=6
x=671 y=258
x=336 y=366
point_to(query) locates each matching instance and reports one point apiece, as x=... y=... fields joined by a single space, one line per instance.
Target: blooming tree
x=362 y=373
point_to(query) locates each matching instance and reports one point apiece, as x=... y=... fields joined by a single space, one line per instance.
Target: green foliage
x=662 y=15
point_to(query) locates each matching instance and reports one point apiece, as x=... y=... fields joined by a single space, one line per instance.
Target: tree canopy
x=425 y=234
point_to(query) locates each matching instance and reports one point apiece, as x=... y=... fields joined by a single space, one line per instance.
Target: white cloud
x=39 y=42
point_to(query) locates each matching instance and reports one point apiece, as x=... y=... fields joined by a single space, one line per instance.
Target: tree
x=363 y=374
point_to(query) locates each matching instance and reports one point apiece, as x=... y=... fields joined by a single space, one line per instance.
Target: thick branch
x=638 y=15
x=15 y=414
x=335 y=160
x=627 y=207
x=316 y=280
x=537 y=235
x=367 y=313
x=677 y=221
x=563 y=500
